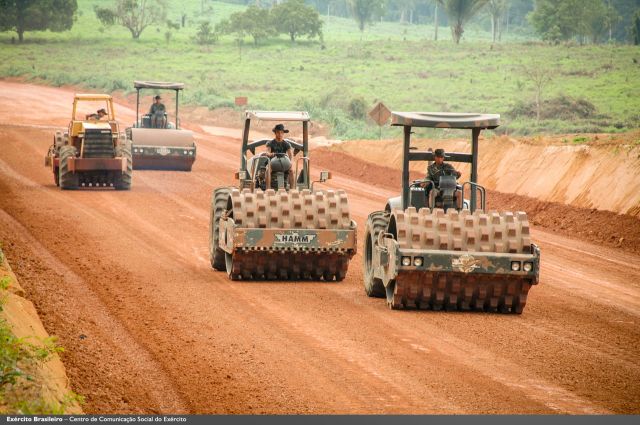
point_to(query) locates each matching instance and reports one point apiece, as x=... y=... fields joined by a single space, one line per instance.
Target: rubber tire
x=67 y=180
x=123 y=181
x=376 y=223
x=219 y=202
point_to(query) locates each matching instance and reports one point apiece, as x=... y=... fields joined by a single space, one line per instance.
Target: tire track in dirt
x=273 y=347
x=106 y=329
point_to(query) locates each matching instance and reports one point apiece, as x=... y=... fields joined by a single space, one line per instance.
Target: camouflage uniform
x=157 y=108
x=435 y=171
x=157 y=114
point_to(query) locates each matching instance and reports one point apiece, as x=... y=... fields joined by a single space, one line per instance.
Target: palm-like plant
x=497 y=9
x=459 y=13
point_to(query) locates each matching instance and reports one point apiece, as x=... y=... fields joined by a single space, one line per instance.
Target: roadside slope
x=598 y=171
x=50 y=383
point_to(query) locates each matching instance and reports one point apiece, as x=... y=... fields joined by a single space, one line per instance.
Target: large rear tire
x=123 y=180
x=219 y=202
x=376 y=223
x=67 y=180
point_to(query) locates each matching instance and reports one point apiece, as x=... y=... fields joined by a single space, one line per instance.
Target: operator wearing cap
x=157 y=113
x=440 y=168
x=97 y=116
x=279 y=144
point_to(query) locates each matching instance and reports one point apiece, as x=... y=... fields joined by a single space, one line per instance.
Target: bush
x=358 y=108
x=205 y=34
x=561 y=107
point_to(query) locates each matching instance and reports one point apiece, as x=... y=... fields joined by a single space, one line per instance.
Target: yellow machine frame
x=76 y=125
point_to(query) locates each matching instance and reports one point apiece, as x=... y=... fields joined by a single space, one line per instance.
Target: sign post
x=380 y=114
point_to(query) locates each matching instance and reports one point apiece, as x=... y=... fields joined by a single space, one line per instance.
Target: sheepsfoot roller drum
x=295 y=235
x=275 y=225
x=451 y=261
x=434 y=248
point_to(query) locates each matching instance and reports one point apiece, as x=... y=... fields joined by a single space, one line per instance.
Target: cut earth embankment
x=41 y=384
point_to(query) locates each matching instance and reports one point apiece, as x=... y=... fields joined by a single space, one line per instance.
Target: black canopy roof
x=158 y=85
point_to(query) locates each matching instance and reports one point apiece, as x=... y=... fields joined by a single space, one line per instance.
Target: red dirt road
x=123 y=278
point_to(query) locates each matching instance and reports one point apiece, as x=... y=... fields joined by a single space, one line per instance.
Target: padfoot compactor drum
x=159 y=144
x=275 y=225
x=432 y=248
x=92 y=152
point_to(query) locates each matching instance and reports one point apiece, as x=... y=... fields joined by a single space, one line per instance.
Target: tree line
x=555 y=21
x=592 y=21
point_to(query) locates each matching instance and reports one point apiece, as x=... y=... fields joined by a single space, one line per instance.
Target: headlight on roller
x=527 y=267
x=515 y=266
x=406 y=261
x=417 y=261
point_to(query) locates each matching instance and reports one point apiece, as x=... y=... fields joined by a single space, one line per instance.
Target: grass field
x=397 y=64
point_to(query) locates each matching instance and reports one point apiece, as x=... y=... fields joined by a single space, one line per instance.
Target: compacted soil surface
x=123 y=278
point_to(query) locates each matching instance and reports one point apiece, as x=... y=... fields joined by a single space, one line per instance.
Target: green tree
x=134 y=15
x=295 y=18
x=365 y=11
x=592 y=20
x=205 y=34
x=552 y=20
x=37 y=15
x=254 y=21
x=556 y=21
x=459 y=13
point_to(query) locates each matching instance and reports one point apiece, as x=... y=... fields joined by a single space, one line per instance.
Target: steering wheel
x=420 y=182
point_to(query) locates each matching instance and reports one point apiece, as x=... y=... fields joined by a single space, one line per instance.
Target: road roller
x=157 y=142
x=436 y=247
x=92 y=152
x=275 y=224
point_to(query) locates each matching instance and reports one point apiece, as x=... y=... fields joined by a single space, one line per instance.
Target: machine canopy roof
x=445 y=120
x=278 y=115
x=158 y=85
x=92 y=97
